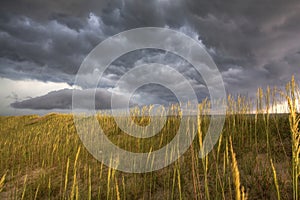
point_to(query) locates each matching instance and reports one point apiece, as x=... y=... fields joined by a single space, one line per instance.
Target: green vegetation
x=256 y=157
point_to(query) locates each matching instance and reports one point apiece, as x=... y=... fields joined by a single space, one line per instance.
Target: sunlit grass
x=257 y=155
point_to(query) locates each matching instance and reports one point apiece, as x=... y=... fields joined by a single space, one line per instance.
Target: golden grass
x=2 y=180
x=294 y=119
x=43 y=157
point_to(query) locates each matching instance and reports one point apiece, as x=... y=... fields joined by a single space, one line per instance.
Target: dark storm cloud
x=43 y=10
x=50 y=46
x=62 y=99
x=249 y=40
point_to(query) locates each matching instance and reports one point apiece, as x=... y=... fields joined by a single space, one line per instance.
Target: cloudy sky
x=43 y=43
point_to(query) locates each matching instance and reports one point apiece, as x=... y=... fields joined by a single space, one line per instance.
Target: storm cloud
x=254 y=43
x=62 y=99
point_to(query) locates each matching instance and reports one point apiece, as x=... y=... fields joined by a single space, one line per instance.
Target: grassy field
x=256 y=157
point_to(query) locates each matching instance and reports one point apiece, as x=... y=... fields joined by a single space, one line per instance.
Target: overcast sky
x=254 y=43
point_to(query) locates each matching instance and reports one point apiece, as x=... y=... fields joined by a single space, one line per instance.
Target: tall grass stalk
x=117 y=189
x=267 y=119
x=179 y=183
x=36 y=192
x=90 y=185
x=294 y=120
x=239 y=193
x=66 y=179
x=202 y=107
x=275 y=179
x=74 y=191
x=2 y=180
x=24 y=189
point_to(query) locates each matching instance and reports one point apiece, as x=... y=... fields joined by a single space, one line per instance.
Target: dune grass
x=256 y=157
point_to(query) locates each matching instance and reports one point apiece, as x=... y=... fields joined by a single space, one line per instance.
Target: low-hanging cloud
x=62 y=99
